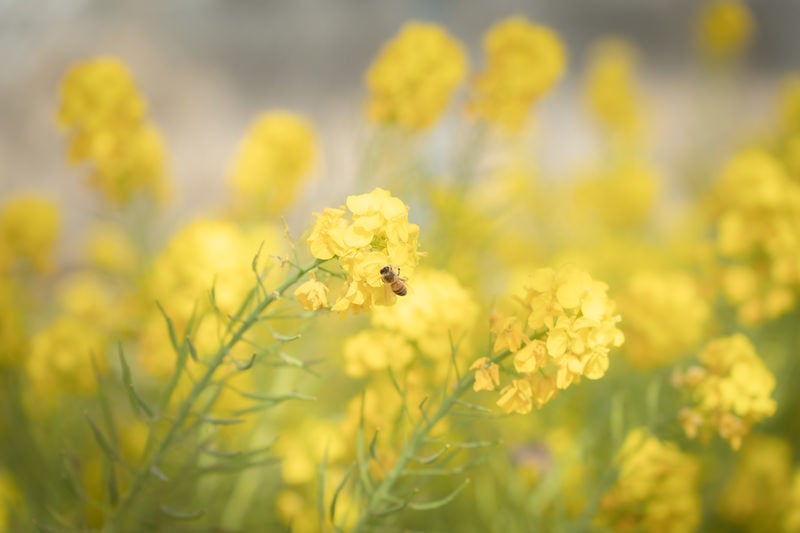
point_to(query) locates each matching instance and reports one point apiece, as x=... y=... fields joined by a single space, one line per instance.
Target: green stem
x=197 y=390
x=422 y=429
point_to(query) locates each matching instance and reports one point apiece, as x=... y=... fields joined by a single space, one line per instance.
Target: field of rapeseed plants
x=479 y=348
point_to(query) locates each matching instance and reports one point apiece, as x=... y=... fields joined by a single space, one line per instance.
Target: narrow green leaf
x=473 y=406
x=285 y=338
x=192 y=350
x=178 y=514
x=241 y=367
x=138 y=405
x=101 y=439
x=436 y=504
x=222 y=421
x=173 y=339
x=111 y=483
x=105 y=405
x=291 y=361
x=158 y=473
x=233 y=467
x=428 y=459
x=372 y=445
x=278 y=398
x=338 y=490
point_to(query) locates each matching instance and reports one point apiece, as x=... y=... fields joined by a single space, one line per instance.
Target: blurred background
x=207 y=68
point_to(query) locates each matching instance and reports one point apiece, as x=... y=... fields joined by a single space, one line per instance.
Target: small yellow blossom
x=507 y=331
x=610 y=90
x=730 y=392
x=516 y=397
x=487 y=377
x=312 y=294
x=665 y=318
x=412 y=79
x=656 y=488
x=29 y=227
x=523 y=60
x=378 y=234
x=106 y=119
x=274 y=157
x=724 y=29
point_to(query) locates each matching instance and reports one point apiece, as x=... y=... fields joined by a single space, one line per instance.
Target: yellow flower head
x=724 y=29
x=374 y=351
x=665 y=318
x=106 y=119
x=414 y=76
x=729 y=392
x=611 y=91
x=523 y=61
x=274 y=157
x=656 y=488
x=572 y=327
x=110 y=248
x=376 y=235
x=29 y=227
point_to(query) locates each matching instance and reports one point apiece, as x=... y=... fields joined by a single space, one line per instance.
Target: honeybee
x=394 y=280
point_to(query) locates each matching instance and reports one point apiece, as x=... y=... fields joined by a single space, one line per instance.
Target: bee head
x=385 y=270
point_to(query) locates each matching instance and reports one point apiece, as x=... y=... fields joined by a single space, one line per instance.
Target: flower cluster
x=274 y=157
x=106 y=119
x=656 y=489
x=574 y=326
x=611 y=92
x=29 y=226
x=523 y=61
x=724 y=29
x=730 y=391
x=414 y=76
x=758 y=235
x=665 y=318
x=376 y=235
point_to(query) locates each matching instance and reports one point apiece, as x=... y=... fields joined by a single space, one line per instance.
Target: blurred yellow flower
x=105 y=116
x=413 y=78
x=437 y=314
x=374 y=351
x=60 y=359
x=312 y=294
x=516 y=397
x=273 y=158
x=13 y=339
x=755 y=493
x=665 y=318
x=29 y=227
x=757 y=209
x=610 y=88
x=656 y=488
x=523 y=60
x=724 y=29
x=377 y=235
x=111 y=249
x=729 y=393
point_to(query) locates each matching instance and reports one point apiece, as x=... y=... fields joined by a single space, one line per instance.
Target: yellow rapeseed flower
x=274 y=157
x=656 y=488
x=29 y=227
x=729 y=392
x=572 y=327
x=724 y=29
x=413 y=78
x=377 y=234
x=111 y=249
x=105 y=116
x=523 y=60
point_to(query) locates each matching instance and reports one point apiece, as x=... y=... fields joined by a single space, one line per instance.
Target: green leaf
x=105 y=405
x=173 y=339
x=179 y=514
x=278 y=398
x=338 y=490
x=241 y=367
x=138 y=405
x=436 y=504
x=428 y=459
x=192 y=350
x=101 y=439
x=222 y=421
